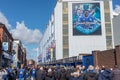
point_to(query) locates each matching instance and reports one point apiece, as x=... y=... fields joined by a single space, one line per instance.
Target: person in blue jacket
x=21 y=73
x=27 y=74
x=10 y=73
x=33 y=73
x=105 y=74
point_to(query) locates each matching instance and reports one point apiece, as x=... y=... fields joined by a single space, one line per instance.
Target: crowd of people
x=59 y=73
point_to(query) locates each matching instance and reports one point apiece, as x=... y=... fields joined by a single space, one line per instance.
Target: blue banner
x=5 y=46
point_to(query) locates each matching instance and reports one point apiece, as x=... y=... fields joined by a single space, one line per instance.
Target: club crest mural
x=86 y=18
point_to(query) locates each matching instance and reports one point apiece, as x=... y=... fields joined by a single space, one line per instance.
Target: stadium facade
x=77 y=27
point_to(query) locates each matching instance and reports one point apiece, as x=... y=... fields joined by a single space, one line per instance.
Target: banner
x=40 y=58
x=51 y=53
x=5 y=46
x=86 y=18
x=14 y=46
x=48 y=53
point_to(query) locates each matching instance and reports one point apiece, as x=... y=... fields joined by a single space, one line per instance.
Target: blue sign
x=5 y=46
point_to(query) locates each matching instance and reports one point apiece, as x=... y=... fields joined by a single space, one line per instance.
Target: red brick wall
x=1 y=32
x=118 y=55
x=107 y=57
x=5 y=36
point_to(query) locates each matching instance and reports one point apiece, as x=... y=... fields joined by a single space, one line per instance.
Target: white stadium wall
x=58 y=31
x=86 y=43
x=78 y=43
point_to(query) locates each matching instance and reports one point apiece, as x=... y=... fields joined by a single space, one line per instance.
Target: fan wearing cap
x=90 y=74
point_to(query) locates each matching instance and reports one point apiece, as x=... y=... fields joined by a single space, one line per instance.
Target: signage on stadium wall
x=51 y=53
x=40 y=58
x=48 y=55
x=86 y=18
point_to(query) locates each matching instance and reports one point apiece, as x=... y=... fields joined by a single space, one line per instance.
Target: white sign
x=6 y=55
x=14 y=45
x=5 y=46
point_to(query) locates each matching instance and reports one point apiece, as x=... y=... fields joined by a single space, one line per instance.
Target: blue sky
x=27 y=20
x=35 y=13
x=116 y=2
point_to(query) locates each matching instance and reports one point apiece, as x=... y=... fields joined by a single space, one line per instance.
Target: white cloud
x=27 y=35
x=35 y=49
x=117 y=9
x=115 y=14
x=4 y=20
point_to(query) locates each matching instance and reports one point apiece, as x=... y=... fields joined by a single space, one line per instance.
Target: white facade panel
x=58 y=31
x=47 y=39
x=116 y=30
x=86 y=43
x=111 y=17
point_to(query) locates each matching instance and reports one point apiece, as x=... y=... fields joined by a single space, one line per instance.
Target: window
x=108 y=28
x=107 y=17
x=65 y=53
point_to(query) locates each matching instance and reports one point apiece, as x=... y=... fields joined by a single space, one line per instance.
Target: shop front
x=6 y=59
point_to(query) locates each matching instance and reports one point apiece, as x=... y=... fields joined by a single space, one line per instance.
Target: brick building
x=20 y=56
x=24 y=57
x=6 y=40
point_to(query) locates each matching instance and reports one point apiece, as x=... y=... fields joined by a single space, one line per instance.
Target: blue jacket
x=21 y=73
x=105 y=75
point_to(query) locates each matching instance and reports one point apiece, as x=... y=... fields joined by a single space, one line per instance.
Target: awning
x=6 y=55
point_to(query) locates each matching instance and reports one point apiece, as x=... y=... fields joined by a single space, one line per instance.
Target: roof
x=6 y=30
